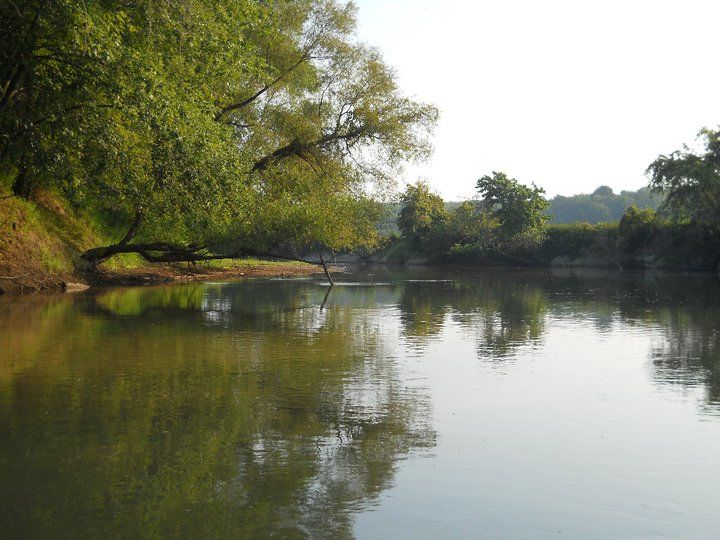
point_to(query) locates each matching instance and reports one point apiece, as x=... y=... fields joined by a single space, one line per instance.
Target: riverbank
x=41 y=241
x=650 y=246
x=29 y=282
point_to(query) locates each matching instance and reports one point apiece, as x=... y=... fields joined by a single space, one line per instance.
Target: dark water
x=423 y=404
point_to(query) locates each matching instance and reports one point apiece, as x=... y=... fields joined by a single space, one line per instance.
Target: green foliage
x=600 y=206
x=110 y=105
x=508 y=219
x=519 y=209
x=640 y=240
x=237 y=123
x=575 y=240
x=637 y=227
x=473 y=233
x=691 y=181
x=422 y=217
x=470 y=223
x=397 y=250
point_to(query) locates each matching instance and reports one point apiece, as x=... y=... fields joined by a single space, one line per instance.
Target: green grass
x=230 y=264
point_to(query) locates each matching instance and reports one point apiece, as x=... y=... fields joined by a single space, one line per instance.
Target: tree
x=422 y=216
x=604 y=191
x=205 y=129
x=691 y=181
x=519 y=210
x=467 y=221
x=637 y=227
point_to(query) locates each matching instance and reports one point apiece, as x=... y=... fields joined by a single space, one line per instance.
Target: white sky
x=569 y=94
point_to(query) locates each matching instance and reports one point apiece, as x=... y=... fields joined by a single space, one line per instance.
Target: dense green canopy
x=422 y=215
x=691 y=181
x=508 y=217
x=216 y=126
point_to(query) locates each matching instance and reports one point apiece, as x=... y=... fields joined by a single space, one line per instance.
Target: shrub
x=637 y=228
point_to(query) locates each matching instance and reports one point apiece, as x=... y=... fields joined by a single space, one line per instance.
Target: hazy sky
x=567 y=94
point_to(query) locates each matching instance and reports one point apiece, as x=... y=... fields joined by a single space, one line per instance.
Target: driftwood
x=325 y=269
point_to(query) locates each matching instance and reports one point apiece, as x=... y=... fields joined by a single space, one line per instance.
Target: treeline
x=602 y=205
x=509 y=222
x=199 y=129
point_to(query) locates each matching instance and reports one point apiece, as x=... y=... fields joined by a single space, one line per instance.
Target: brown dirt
x=150 y=275
x=167 y=274
x=30 y=259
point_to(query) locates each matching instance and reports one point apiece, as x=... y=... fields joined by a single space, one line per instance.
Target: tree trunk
x=325 y=269
x=97 y=255
x=132 y=231
x=22 y=185
x=163 y=252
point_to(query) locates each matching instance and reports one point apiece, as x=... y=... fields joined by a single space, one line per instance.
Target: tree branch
x=245 y=102
x=296 y=148
x=132 y=231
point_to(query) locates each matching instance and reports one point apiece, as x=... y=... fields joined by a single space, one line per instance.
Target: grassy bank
x=41 y=241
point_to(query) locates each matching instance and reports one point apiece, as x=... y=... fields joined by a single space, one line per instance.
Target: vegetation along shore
x=672 y=224
x=138 y=140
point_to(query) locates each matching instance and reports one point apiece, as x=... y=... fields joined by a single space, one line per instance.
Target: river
x=417 y=403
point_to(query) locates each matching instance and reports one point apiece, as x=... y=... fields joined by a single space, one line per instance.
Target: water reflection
x=214 y=411
x=501 y=314
x=275 y=407
x=688 y=354
x=507 y=311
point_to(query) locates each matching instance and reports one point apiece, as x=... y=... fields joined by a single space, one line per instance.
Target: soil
x=151 y=275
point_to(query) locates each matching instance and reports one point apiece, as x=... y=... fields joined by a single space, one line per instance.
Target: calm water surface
x=403 y=404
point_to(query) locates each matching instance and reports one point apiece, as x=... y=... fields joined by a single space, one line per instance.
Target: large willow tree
x=204 y=128
x=690 y=181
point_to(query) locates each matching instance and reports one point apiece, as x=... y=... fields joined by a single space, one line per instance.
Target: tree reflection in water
x=247 y=410
x=215 y=412
x=500 y=314
x=508 y=310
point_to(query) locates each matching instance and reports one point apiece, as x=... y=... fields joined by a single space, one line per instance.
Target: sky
x=568 y=94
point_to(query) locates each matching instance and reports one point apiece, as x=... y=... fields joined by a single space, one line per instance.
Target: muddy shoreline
x=151 y=275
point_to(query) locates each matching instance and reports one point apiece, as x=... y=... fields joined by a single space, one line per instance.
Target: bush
x=576 y=239
x=637 y=228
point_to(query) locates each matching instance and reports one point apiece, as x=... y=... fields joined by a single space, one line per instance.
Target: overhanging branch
x=163 y=252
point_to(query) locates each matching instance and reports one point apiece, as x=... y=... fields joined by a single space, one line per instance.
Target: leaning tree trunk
x=97 y=255
x=22 y=186
x=325 y=269
x=163 y=252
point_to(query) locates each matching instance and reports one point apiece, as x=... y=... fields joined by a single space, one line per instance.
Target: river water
x=398 y=404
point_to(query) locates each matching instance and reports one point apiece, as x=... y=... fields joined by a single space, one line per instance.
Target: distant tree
x=604 y=191
x=518 y=209
x=690 y=181
x=469 y=223
x=508 y=218
x=422 y=215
